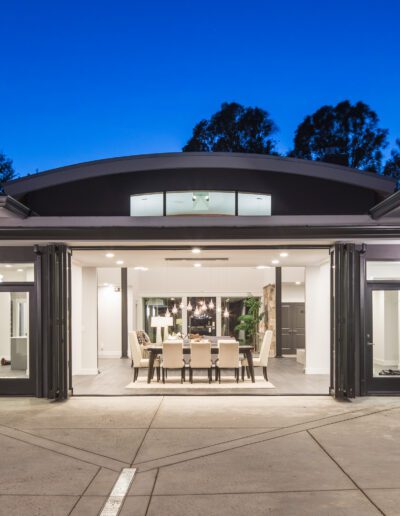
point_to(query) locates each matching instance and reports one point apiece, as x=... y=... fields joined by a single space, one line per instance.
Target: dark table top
x=186 y=347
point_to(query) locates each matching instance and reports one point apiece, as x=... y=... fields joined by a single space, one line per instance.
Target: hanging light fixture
x=226 y=312
x=174 y=309
x=197 y=312
x=181 y=305
x=189 y=307
x=211 y=305
x=203 y=307
x=167 y=313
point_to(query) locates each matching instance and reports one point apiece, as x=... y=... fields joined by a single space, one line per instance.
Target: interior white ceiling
x=185 y=258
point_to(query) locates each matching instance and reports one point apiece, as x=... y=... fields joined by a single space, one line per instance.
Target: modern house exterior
x=218 y=202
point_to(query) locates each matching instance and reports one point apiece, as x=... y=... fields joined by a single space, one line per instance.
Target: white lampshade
x=157 y=321
x=168 y=321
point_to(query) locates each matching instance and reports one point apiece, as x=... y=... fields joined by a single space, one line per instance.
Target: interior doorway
x=293 y=328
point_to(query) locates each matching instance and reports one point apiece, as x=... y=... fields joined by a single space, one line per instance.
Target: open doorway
x=206 y=295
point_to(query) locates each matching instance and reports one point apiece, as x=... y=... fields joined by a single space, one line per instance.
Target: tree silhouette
x=392 y=166
x=7 y=171
x=234 y=128
x=344 y=134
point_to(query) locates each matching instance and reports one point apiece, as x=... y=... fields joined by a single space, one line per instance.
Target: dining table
x=155 y=350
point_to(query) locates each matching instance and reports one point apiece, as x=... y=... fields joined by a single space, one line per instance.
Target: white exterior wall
x=89 y=321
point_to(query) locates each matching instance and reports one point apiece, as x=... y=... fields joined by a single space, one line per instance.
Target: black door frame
x=24 y=386
x=377 y=385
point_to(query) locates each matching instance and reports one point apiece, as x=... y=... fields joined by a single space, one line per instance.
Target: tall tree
x=344 y=134
x=234 y=128
x=7 y=171
x=392 y=166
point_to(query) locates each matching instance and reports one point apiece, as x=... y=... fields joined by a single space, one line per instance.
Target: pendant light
x=211 y=305
x=181 y=305
x=197 y=312
x=167 y=313
x=189 y=307
x=226 y=312
x=174 y=309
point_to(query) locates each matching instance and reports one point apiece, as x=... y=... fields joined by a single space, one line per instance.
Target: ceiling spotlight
x=196 y=250
x=110 y=255
x=8 y=266
x=298 y=282
x=275 y=262
x=119 y=262
x=141 y=268
x=263 y=267
x=284 y=255
x=197 y=265
x=20 y=270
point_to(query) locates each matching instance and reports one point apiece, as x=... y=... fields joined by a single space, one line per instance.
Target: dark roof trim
x=386 y=207
x=214 y=160
x=15 y=207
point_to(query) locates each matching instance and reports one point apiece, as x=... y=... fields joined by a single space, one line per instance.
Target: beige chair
x=138 y=361
x=262 y=360
x=172 y=358
x=228 y=358
x=200 y=358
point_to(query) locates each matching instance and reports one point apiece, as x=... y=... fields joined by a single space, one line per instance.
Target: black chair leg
x=158 y=374
x=266 y=374
x=216 y=373
x=210 y=375
x=163 y=375
x=248 y=371
x=237 y=375
x=182 y=374
x=131 y=363
x=219 y=375
x=242 y=373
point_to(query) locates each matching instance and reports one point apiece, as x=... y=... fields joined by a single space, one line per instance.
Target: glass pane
x=254 y=204
x=14 y=335
x=231 y=309
x=383 y=271
x=202 y=316
x=16 y=272
x=385 y=335
x=157 y=307
x=147 y=205
x=200 y=203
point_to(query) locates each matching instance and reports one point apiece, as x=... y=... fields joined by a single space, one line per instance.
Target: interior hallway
x=283 y=456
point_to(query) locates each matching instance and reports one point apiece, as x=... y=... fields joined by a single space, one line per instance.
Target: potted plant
x=249 y=322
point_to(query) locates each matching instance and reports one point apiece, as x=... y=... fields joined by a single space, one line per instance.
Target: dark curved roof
x=199 y=160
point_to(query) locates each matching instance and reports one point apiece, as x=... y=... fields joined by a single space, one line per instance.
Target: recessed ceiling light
x=141 y=268
x=196 y=250
x=8 y=266
x=20 y=270
x=119 y=262
x=284 y=255
x=197 y=265
x=105 y=284
x=1 y=276
x=263 y=267
x=110 y=255
x=274 y=261
x=298 y=282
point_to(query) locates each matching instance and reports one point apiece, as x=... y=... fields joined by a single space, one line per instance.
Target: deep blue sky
x=94 y=79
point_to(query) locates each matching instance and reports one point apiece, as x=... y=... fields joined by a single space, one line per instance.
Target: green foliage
x=392 y=167
x=250 y=321
x=234 y=128
x=6 y=170
x=344 y=134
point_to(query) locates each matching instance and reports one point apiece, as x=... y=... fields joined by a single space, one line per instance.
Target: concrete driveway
x=219 y=455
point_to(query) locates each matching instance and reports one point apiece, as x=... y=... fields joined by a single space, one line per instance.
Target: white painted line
x=120 y=490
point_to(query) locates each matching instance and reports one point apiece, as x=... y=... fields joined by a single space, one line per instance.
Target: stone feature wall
x=269 y=299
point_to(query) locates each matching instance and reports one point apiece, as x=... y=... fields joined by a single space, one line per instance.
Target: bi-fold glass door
x=17 y=340
x=382 y=346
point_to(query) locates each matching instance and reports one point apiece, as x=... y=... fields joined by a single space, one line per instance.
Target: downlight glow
x=141 y=268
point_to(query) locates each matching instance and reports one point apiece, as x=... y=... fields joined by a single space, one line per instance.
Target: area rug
x=173 y=383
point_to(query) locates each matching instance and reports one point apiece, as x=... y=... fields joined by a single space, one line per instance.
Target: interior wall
x=5 y=326
x=385 y=323
x=88 y=353
x=318 y=313
x=293 y=293
x=109 y=316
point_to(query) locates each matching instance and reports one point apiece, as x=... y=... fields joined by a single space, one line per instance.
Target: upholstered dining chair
x=228 y=358
x=200 y=358
x=172 y=358
x=138 y=361
x=262 y=360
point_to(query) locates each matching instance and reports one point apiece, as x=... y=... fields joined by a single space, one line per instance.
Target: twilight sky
x=83 y=80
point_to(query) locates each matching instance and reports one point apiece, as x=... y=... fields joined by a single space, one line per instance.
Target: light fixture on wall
x=189 y=307
x=226 y=312
x=211 y=305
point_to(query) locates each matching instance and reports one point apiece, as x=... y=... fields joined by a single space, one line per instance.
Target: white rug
x=173 y=383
